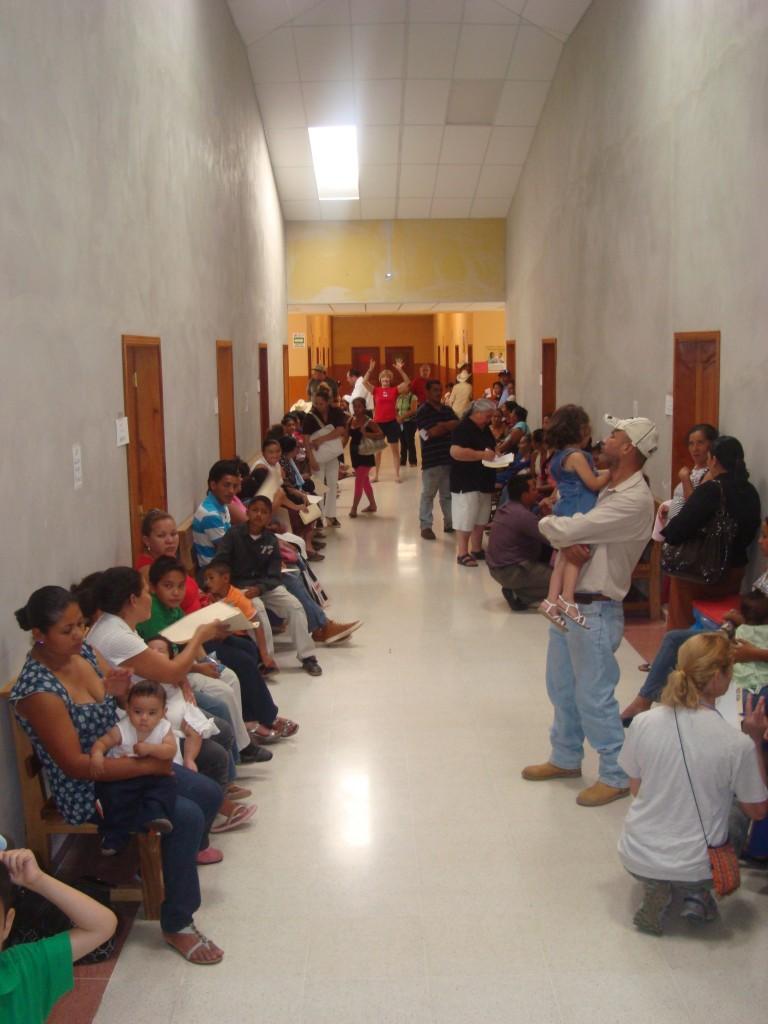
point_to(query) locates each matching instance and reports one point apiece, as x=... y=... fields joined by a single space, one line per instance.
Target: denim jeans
x=242 y=656
x=197 y=802
x=664 y=662
x=582 y=673
x=434 y=479
x=293 y=583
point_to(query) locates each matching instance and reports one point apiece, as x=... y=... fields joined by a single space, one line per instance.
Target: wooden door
x=264 y=390
x=404 y=352
x=511 y=361
x=695 y=389
x=548 y=376
x=362 y=356
x=225 y=384
x=143 y=391
x=286 y=374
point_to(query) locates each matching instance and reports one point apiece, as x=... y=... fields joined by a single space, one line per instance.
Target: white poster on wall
x=299 y=341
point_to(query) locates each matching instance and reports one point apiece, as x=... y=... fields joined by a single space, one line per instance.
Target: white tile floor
x=399 y=869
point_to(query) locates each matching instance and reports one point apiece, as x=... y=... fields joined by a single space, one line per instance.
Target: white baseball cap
x=640 y=431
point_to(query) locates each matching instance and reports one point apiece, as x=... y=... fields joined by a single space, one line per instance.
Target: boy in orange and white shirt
x=218 y=583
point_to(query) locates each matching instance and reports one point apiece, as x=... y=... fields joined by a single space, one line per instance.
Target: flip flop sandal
x=466 y=560
x=240 y=816
x=575 y=616
x=550 y=612
x=264 y=738
x=202 y=943
x=284 y=727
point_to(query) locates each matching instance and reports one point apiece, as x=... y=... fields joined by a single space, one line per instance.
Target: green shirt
x=33 y=976
x=159 y=620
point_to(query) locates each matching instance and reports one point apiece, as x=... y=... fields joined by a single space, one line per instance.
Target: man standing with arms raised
x=582 y=671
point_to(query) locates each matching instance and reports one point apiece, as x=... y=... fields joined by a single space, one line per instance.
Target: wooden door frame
x=552 y=342
x=286 y=374
x=263 y=415
x=128 y=342
x=688 y=336
x=223 y=345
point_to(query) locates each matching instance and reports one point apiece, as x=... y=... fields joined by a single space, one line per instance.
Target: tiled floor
x=399 y=869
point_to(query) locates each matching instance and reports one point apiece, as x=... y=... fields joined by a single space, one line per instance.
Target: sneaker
x=254 y=755
x=428 y=533
x=332 y=632
x=311 y=666
x=514 y=602
x=656 y=902
x=699 y=907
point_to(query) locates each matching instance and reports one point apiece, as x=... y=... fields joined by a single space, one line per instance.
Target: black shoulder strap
x=690 y=780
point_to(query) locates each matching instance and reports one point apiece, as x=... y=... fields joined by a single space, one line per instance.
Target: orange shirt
x=238 y=600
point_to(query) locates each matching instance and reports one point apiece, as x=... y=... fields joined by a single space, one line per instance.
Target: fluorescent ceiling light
x=334 y=155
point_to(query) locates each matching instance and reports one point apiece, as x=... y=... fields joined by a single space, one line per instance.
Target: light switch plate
x=121 y=431
x=77 y=466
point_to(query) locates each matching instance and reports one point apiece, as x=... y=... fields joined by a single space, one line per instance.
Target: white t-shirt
x=130 y=738
x=662 y=837
x=114 y=639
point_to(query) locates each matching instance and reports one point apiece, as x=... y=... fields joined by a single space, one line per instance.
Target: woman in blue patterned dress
x=65 y=698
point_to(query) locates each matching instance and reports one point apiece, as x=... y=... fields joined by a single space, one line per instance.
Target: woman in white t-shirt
x=662 y=842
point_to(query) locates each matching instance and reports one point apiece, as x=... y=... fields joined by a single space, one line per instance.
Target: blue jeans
x=294 y=584
x=434 y=479
x=582 y=673
x=241 y=655
x=197 y=802
x=664 y=662
x=219 y=709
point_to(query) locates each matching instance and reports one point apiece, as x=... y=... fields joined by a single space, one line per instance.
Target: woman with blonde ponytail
x=662 y=843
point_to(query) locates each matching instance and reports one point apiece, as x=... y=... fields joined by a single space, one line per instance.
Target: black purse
x=704 y=558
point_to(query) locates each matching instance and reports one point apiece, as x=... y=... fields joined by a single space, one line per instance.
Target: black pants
x=408 y=442
x=130 y=804
x=242 y=656
x=215 y=753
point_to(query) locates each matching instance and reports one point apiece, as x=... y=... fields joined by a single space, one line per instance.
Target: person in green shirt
x=34 y=975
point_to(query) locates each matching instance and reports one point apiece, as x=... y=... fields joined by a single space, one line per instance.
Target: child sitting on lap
x=34 y=975
x=145 y=803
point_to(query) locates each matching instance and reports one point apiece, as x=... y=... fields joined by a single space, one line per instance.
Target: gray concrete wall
x=643 y=210
x=137 y=197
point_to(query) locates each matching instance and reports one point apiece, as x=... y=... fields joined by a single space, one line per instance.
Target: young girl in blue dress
x=578 y=484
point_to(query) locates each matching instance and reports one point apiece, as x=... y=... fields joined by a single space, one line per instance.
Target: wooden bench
x=648 y=572
x=42 y=820
x=186 y=548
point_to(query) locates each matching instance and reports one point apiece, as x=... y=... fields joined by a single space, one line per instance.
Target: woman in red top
x=384 y=411
x=161 y=537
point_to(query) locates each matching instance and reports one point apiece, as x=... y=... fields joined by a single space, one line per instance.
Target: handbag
x=331 y=449
x=723 y=860
x=703 y=558
x=371 y=445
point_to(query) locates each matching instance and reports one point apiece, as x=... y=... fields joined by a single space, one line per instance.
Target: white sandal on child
x=572 y=616
x=550 y=612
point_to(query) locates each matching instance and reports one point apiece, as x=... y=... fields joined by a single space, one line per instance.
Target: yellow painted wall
x=430 y=260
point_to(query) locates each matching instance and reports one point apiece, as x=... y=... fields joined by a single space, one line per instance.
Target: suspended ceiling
x=446 y=95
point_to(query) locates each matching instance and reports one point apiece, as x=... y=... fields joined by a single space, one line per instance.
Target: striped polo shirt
x=209 y=524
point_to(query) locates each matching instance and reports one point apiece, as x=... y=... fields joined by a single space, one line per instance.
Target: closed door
x=405 y=352
x=511 y=359
x=264 y=389
x=548 y=376
x=143 y=392
x=362 y=356
x=695 y=389
x=225 y=382
x=286 y=374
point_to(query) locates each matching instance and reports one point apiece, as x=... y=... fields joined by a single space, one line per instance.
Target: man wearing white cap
x=582 y=671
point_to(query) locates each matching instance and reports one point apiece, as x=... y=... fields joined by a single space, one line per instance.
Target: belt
x=591 y=598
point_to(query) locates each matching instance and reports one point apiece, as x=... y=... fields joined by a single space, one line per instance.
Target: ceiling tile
x=463 y=144
x=273 y=57
x=420 y=144
x=377 y=209
x=499 y=181
x=484 y=51
x=417 y=180
x=556 y=15
x=487 y=206
x=489 y=12
x=521 y=103
x=426 y=100
x=436 y=10
x=296 y=182
x=451 y=208
x=254 y=20
x=378 y=144
x=340 y=209
x=379 y=101
x=378 y=181
x=509 y=145
x=324 y=53
x=289 y=147
x=376 y=11
x=416 y=307
x=281 y=104
x=301 y=209
x=328 y=12
x=378 y=50
x=382 y=307
x=535 y=55
x=473 y=101
x=516 y=6
x=431 y=50
x=348 y=307
x=329 y=103
x=417 y=209
x=455 y=180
